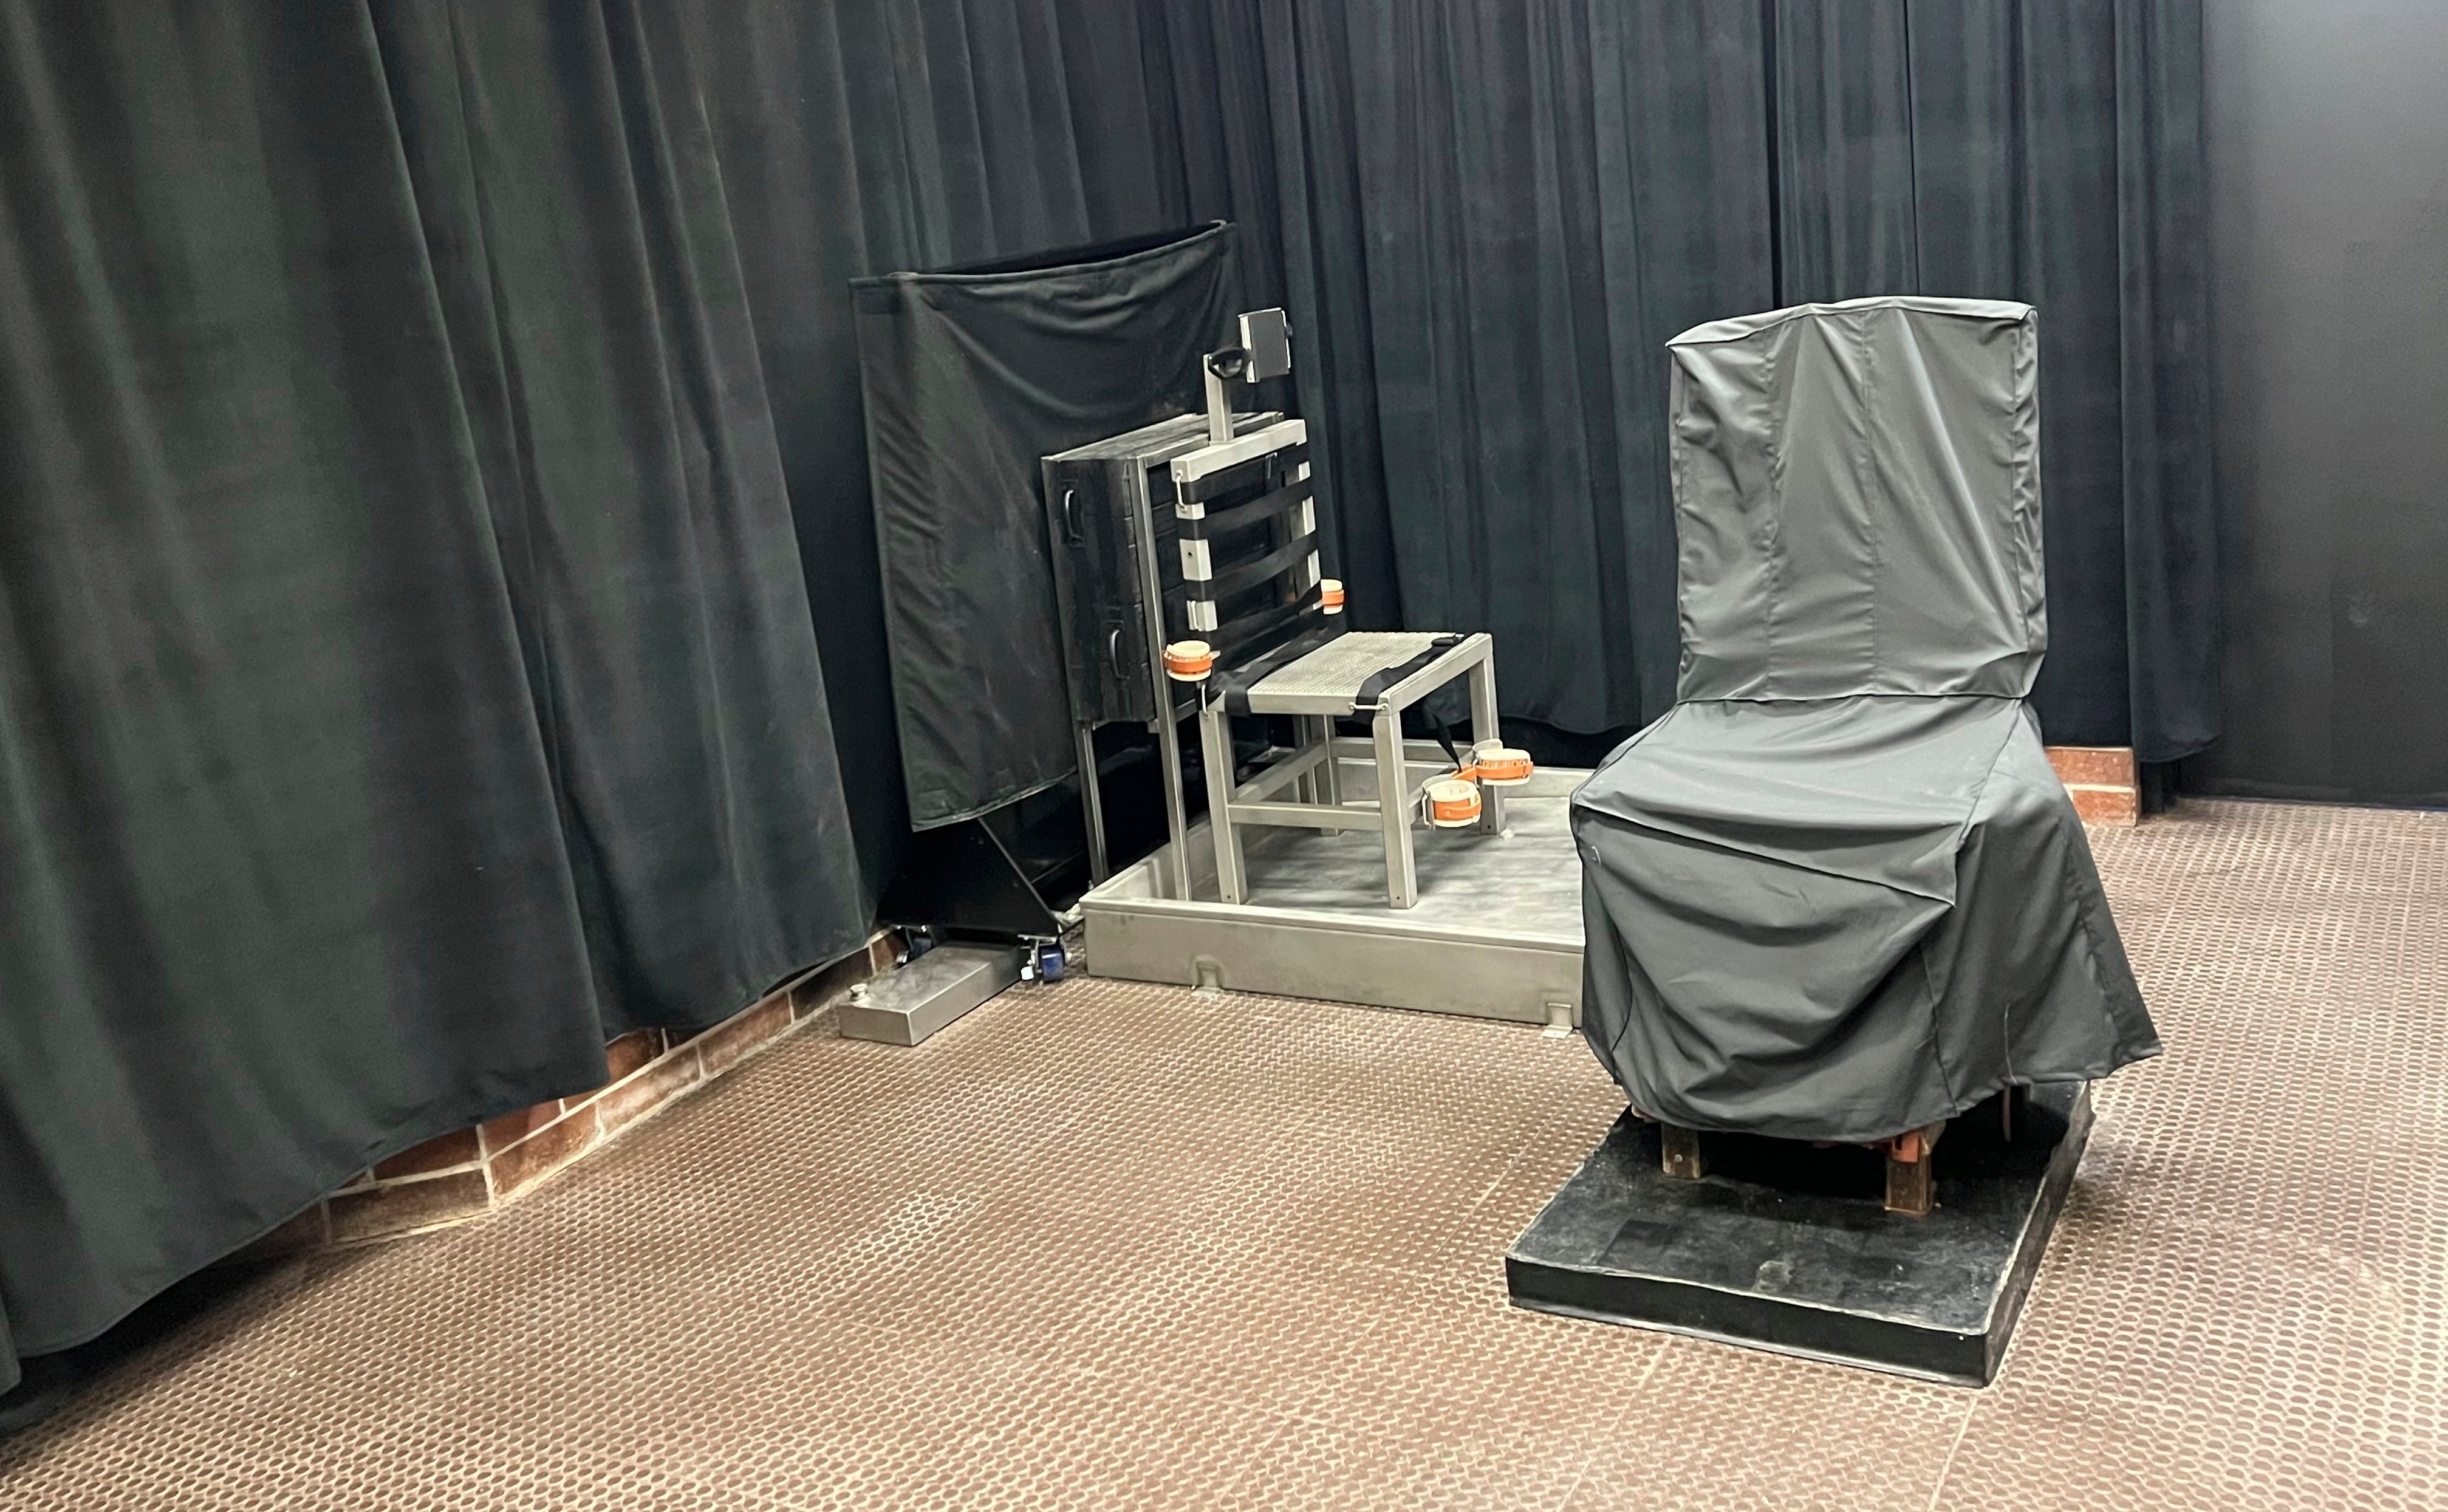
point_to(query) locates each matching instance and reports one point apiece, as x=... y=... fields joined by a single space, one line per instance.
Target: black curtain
x=405 y=679
x=1495 y=214
x=2050 y=153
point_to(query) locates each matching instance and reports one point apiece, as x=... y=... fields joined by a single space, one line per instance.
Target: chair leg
x=1394 y=811
x=1910 y=1190
x=1679 y=1152
x=1216 y=751
x=2012 y=1107
x=1483 y=726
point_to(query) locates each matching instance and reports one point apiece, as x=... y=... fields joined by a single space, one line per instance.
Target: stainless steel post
x=1092 y=803
x=1330 y=778
x=1394 y=809
x=1483 y=727
x=1168 y=735
x=1215 y=754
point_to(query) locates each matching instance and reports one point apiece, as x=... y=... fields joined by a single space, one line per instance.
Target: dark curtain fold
x=2176 y=618
x=405 y=681
x=1493 y=215
x=1504 y=211
x=285 y=880
x=581 y=249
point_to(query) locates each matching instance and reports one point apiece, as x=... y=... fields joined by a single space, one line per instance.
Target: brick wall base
x=2106 y=786
x=469 y=1173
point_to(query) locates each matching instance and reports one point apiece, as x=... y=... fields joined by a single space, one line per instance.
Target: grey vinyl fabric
x=1837 y=891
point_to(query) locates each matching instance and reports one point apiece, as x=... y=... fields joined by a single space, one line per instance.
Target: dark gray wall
x=2329 y=136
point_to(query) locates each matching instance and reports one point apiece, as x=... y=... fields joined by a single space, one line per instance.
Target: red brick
x=507 y=1130
x=2107 y=766
x=458 y=1147
x=720 y=1047
x=2113 y=806
x=543 y=1152
x=631 y=1051
x=397 y=1206
x=648 y=1090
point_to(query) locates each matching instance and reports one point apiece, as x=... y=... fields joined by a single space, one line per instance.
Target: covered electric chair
x=1838 y=894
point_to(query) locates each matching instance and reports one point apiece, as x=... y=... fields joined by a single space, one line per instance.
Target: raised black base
x=1787 y=1247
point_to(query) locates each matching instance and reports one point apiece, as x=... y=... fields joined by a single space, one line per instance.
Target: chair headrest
x=1857 y=494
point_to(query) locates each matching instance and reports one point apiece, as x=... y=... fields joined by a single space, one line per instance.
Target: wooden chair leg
x=1679 y=1152
x=2010 y=1109
x=1910 y=1191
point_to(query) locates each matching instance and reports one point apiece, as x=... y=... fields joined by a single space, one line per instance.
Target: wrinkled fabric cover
x=1838 y=892
x=1857 y=501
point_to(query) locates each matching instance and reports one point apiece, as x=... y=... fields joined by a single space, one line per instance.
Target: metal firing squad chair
x=1266 y=638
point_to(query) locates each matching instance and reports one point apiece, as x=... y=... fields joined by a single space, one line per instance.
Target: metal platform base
x=1785 y=1247
x=1496 y=934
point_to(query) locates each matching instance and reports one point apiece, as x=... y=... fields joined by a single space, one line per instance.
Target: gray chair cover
x=1838 y=893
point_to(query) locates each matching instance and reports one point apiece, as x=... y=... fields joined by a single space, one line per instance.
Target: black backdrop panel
x=971 y=376
x=2329 y=270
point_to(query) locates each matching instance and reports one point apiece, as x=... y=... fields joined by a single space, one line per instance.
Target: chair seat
x=1328 y=679
x=1842 y=919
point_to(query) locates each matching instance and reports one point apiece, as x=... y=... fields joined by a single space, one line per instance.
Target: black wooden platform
x=1787 y=1247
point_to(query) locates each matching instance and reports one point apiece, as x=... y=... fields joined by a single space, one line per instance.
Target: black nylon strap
x=1247 y=635
x=1198 y=491
x=1235 y=686
x=1373 y=691
x=1241 y=516
x=1234 y=579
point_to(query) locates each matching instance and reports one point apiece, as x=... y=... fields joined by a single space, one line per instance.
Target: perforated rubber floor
x=1108 y=1245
